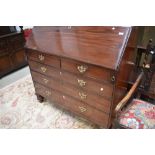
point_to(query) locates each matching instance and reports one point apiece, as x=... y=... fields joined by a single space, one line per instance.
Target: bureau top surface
x=99 y=45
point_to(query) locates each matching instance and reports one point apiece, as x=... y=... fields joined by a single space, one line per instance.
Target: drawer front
x=74 y=106
x=47 y=81
x=86 y=70
x=86 y=111
x=103 y=89
x=44 y=58
x=44 y=69
x=47 y=92
x=91 y=99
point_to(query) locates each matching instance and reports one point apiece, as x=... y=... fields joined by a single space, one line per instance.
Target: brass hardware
x=147 y=66
x=48 y=93
x=82 y=109
x=43 y=69
x=34 y=47
x=41 y=57
x=101 y=89
x=69 y=27
x=81 y=82
x=130 y=63
x=113 y=78
x=82 y=68
x=82 y=95
x=45 y=81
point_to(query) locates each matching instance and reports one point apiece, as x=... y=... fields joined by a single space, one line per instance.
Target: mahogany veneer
x=82 y=69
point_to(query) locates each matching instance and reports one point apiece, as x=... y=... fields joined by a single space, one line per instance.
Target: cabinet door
x=18 y=58
x=16 y=42
x=5 y=65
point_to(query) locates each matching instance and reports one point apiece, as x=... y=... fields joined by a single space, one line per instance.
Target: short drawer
x=44 y=69
x=44 y=58
x=91 y=99
x=47 y=81
x=100 y=88
x=87 y=70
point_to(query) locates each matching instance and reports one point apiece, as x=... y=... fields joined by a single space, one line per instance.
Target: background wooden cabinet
x=12 y=55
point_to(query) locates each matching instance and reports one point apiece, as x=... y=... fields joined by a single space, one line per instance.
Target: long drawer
x=88 y=84
x=44 y=58
x=74 y=106
x=87 y=70
x=93 y=100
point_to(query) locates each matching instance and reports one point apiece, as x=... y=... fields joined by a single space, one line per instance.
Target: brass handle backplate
x=81 y=82
x=82 y=109
x=113 y=79
x=43 y=69
x=82 y=68
x=82 y=95
x=41 y=57
x=45 y=81
x=48 y=93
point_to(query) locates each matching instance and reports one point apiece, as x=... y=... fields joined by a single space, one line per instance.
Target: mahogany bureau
x=82 y=69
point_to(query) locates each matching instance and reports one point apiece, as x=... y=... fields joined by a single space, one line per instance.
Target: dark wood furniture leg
x=40 y=98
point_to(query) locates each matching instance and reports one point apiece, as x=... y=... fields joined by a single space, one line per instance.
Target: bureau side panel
x=126 y=67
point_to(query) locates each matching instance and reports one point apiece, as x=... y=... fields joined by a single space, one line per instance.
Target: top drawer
x=44 y=58
x=87 y=70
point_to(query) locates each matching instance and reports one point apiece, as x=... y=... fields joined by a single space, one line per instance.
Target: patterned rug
x=19 y=108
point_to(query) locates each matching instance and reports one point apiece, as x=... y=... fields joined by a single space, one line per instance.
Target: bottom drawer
x=75 y=106
x=84 y=110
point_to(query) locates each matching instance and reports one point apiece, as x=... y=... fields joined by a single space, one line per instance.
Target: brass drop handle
x=82 y=109
x=45 y=81
x=113 y=78
x=43 y=69
x=82 y=95
x=81 y=82
x=41 y=57
x=48 y=93
x=69 y=27
x=82 y=68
